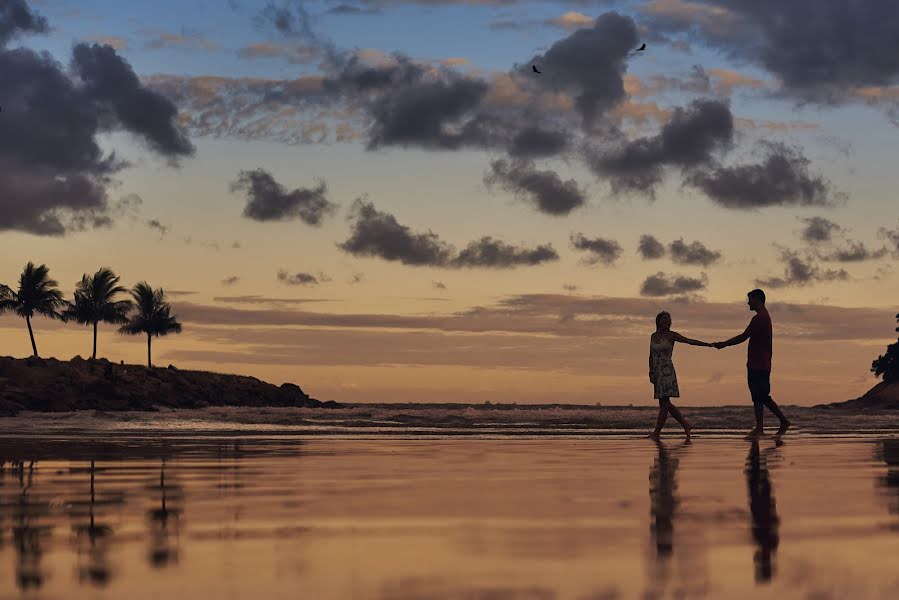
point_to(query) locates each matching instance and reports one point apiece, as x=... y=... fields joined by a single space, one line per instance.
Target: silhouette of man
x=758 y=363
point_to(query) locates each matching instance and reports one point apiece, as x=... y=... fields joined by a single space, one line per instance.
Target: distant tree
x=37 y=294
x=95 y=302
x=153 y=316
x=888 y=364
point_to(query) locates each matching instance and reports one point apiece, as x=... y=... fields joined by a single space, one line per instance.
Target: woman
x=661 y=371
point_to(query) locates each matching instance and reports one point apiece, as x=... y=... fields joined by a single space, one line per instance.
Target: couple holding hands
x=759 y=334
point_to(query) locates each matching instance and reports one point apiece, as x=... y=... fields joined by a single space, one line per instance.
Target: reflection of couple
x=759 y=334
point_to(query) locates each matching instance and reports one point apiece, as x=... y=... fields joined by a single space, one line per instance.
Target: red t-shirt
x=760 y=334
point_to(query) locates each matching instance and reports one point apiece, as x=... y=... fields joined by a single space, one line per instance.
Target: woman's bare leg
x=678 y=415
x=663 y=416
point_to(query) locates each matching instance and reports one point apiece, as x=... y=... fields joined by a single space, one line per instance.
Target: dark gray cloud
x=544 y=189
x=650 y=248
x=689 y=139
x=16 y=18
x=601 y=250
x=535 y=141
x=662 y=284
x=268 y=200
x=230 y=280
x=819 y=229
x=818 y=48
x=158 y=226
x=378 y=234
x=892 y=237
x=590 y=64
x=694 y=253
x=853 y=251
x=800 y=271
x=439 y=285
x=53 y=173
x=495 y=254
x=297 y=278
x=782 y=179
x=110 y=82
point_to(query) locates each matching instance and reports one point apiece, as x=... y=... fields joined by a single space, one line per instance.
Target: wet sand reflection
x=763 y=508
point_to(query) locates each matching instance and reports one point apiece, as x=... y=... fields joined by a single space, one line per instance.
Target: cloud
x=110 y=82
x=543 y=189
x=230 y=280
x=155 y=224
x=819 y=229
x=378 y=234
x=118 y=43
x=661 y=284
x=570 y=287
x=571 y=20
x=255 y=299
x=687 y=140
x=188 y=39
x=601 y=250
x=693 y=254
x=439 y=285
x=801 y=271
x=853 y=251
x=297 y=278
x=53 y=173
x=16 y=18
x=820 y=59
x=892 y=236
x=293 y=53
x=268 y=200
x=781 y=179
x=650 y=248
x=495 y=254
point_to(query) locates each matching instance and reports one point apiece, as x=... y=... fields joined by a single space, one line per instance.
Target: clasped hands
x=718 y=345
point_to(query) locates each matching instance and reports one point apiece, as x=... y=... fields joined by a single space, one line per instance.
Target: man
x=758 y=364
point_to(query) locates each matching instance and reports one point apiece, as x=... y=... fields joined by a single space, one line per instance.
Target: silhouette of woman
x=661 y=371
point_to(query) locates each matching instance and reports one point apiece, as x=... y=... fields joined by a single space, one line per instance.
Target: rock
x=294 y=388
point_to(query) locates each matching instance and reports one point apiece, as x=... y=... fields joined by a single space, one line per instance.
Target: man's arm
x=737 y=339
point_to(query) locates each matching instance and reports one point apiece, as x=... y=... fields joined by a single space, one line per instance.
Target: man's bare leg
x=775 y=409
x=678 y=415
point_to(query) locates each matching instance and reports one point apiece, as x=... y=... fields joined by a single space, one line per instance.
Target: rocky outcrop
x=47 y=384
x=883 y=396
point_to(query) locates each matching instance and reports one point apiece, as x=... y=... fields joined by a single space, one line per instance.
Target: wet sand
x=369 y=518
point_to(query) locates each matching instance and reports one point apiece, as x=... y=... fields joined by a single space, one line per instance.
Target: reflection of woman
x=762 y=507
x=663 y=501
x=661 y=371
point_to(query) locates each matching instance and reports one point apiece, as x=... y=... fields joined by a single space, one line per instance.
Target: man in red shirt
x=758 y=364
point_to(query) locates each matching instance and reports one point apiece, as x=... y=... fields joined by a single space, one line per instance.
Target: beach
x=145 y=512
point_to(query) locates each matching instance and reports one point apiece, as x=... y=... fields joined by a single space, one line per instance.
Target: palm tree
x=152 y=316
x=94 y=302
x=37 y=294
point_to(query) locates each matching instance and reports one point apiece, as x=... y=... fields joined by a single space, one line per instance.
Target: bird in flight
x=641 y=48
x=534 y=68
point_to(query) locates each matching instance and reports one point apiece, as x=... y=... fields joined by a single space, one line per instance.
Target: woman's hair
x=659 y=317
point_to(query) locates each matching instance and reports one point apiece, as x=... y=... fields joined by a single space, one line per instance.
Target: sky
x=381 y=201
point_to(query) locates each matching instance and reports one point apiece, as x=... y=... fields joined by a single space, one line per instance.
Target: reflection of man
x=765 y=522
x=758 y=363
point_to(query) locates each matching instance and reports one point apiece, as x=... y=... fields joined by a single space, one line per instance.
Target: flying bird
x=642 y=48
x=534 y=67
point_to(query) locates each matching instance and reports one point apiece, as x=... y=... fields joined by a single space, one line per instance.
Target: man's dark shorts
x=759 y=385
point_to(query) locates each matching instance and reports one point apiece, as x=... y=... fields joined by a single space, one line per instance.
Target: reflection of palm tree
x=97 y=569
x=152 y=317
x=26 y=535
x=94 y=302
x=162 y=551
x=37 y=294
x=762 y=507
x=663 y=501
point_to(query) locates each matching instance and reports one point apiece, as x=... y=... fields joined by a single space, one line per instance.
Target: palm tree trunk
x=31 y=334
x=95 y=341
x=149 y=339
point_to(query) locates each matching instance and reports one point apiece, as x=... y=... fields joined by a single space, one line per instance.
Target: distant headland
x=51 y=385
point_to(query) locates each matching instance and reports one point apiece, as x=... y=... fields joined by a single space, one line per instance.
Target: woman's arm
x=685 y=340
